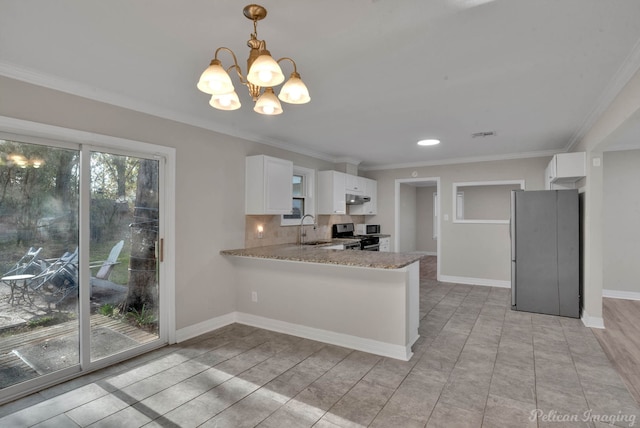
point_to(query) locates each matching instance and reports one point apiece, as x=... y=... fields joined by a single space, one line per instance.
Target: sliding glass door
x=124 y=244
x=80 y=246
x=39 y=230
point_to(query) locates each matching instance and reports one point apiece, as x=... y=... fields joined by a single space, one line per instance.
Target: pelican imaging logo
x=587 y=416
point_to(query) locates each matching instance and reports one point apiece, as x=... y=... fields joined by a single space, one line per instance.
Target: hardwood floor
x=621 y=340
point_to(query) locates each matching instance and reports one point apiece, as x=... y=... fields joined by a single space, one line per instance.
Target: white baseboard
x=353 y=342
x=593 y=322
x=204 y=327
x=475 y=281
x=615 y=294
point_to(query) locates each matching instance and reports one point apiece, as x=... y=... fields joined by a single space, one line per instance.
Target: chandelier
x=263 y=74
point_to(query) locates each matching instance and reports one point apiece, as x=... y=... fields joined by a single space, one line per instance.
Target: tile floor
x=476 y=364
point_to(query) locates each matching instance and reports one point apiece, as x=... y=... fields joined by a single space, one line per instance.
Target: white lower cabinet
x=385 y=244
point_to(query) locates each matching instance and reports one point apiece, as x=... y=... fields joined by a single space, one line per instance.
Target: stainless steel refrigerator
x=545 y=252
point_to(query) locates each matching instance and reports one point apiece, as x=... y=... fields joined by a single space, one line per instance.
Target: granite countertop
x=316 y=254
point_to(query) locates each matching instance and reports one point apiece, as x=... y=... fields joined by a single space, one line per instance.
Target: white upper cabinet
x=332 y=188
x=355 y=184
x=565 y=169
x=268 y=188
x=368 y=208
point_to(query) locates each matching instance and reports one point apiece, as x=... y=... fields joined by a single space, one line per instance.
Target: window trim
x=436 y=209
x=309 y=184
x=458 y=200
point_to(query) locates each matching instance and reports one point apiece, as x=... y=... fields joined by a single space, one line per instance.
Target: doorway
x=417 y=216
x=81 y=245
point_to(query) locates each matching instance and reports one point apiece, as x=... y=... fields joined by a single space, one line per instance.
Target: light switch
x=596 y=161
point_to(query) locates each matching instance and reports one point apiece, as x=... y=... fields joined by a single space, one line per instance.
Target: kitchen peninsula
x=358 y=299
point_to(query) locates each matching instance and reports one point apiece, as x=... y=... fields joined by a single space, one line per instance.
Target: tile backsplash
x=273 y=233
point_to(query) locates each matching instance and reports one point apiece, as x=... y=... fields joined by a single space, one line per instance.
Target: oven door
x=370 y=244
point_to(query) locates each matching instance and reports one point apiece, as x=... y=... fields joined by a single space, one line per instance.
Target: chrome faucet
x=302 y=234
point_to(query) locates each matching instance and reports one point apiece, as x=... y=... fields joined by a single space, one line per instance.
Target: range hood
x=356 y=199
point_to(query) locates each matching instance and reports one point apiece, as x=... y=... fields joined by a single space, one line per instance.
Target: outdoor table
x=12 y=281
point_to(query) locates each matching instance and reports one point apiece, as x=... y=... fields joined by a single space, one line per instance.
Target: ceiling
x=382 y=74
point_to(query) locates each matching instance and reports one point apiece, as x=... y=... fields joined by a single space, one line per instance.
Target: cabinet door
x=339 y=192
x=564 y=170
x=549 y=174
x=331 y=192
x=355 y=184
x=268 y=188
x=371 y=207
x=278 y=188
x=385 y=244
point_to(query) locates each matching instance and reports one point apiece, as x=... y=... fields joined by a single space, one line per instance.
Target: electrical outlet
x=254 y=296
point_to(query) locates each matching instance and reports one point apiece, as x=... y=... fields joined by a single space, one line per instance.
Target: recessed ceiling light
x=428 y=142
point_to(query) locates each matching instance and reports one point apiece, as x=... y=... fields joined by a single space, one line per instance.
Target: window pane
x=298 y=209
x=298 y=185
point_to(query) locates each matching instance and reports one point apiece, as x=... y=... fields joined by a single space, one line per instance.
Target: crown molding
x=352 y=161
x=13 y=71
x=455 y=161
x=629 y=67
x=623 y=147
x=37 y=78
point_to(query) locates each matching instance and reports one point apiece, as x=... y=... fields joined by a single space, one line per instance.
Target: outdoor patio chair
x=19 y=276
x=102 y=276
x=28 y=264
x=58 y=279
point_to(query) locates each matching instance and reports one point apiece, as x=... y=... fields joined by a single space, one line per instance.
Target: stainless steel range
x=346 y=230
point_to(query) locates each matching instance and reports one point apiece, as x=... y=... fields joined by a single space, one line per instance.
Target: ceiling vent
x=483 y=134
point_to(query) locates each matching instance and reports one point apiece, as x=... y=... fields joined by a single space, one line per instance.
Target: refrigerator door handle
x=512 y=238
x=512 y=226
x=513 y=284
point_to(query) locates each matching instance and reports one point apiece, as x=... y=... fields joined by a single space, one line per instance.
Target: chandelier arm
x=222 y=48
x=235 y=65
x=239 y=73
x=295 y=68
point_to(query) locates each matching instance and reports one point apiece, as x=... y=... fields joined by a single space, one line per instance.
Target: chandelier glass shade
x=263 y=74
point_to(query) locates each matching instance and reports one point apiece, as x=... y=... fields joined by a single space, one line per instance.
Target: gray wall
x=209 y=186
x=408 y=218
x=424 y=205
x=487 y=202
x=621 y=213
x=478 y=251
